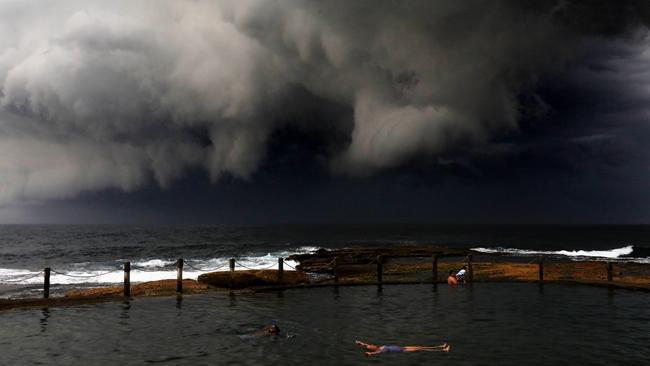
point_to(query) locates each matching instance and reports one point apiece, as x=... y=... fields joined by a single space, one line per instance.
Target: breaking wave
x=146 y=269
x=627 y=253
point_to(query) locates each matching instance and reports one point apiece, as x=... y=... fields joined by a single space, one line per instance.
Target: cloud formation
x=97 y=95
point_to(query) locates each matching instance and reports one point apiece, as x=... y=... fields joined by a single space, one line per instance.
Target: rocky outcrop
x=320 y=261
x=152 y=288
x=252 y=278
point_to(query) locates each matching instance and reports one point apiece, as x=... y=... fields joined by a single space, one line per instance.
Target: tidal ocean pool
x=485 y=323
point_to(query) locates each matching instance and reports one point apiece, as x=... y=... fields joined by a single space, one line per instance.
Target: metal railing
x=127 y=267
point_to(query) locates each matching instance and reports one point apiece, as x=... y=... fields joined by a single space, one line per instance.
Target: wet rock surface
x=252 y=278
x=321 y=261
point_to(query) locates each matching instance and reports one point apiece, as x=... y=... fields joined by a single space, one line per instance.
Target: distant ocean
x=89 y=256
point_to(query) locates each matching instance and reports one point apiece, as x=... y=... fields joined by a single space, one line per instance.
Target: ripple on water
x=487 y=324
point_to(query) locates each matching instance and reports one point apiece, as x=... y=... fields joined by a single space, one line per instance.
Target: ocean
x=90 y=256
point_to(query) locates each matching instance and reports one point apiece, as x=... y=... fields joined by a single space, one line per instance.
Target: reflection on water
x=232 y=299
x=486 y=324
x=45 y=316
x=124 y=312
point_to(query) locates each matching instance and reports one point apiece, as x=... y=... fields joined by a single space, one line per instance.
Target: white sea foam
x=611 y=254
x=304 y=250
x=20 y=276
x=147 y=269
x=16 y=272
x=154 y=263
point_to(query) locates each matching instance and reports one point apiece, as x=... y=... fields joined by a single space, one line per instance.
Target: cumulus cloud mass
x=99 y=95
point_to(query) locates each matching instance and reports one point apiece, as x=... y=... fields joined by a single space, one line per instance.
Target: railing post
x=380 y=269
x=470 y=268
x=232 y=272
x=127 y=279
x=46 y=283
x=541 y=268
x=610 y=269
x=434 y=268
x=335 y=264
x=179 y=275
x=280 y=269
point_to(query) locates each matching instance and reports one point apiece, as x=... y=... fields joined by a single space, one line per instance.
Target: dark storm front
x=490 y=324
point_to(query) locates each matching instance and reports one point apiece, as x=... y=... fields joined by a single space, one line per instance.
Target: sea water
x=91 y=256
x=485 y=324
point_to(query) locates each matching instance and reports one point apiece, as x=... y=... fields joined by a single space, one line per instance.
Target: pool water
x=486 y=324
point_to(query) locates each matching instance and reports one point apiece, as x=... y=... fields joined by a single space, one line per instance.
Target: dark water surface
x=486 y=324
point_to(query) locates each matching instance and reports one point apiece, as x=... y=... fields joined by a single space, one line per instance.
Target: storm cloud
x=102 y=95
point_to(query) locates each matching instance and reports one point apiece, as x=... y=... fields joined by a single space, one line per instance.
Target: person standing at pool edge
x=460 y=276
x=390 y=348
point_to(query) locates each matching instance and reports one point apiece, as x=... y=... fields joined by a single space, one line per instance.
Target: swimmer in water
x=451 y=279
x=269 y=330
x=389 y=348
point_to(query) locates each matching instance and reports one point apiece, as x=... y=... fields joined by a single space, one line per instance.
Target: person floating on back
x=390 y=348
x=460 y=276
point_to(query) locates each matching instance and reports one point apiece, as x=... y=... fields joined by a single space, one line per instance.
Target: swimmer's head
x=273 y=329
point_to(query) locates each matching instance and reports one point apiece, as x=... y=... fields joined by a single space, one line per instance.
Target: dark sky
x=338 y=111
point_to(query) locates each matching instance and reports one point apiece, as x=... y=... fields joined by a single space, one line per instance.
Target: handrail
x=335 y=263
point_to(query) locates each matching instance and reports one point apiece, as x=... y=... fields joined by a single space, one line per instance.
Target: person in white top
x=460 y=276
